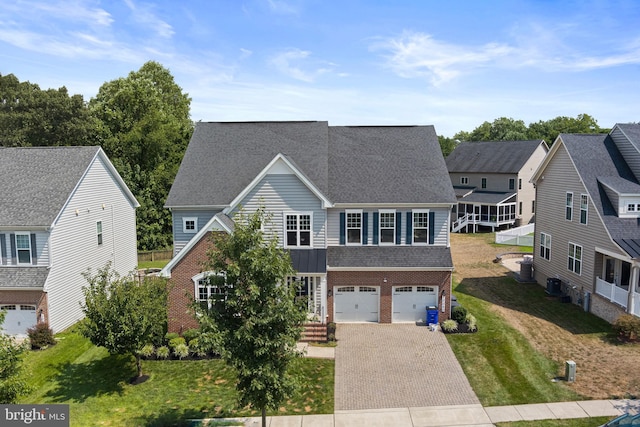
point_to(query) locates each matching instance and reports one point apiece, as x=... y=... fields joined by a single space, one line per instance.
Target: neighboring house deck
x=64 y=210
x=491 y=181
x=363 y=211
x=588 y=221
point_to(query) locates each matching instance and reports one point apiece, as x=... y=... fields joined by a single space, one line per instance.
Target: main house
x=63 y=210
x=492 y=183
x=587 y=231
x=363 y=211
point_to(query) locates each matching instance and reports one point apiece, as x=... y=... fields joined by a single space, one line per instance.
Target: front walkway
x=396 y=366
x=454 y=416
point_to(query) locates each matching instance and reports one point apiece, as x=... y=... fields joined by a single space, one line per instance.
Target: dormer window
x=190 y=225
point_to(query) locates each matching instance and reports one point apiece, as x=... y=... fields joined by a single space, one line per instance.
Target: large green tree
x=501 y=129
x=258 y=318
x=550 y=129
x=144 y=129
x=123 y=314
x=31 y=117
x=11 y=383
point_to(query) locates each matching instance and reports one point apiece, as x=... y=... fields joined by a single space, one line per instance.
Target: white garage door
x=410 y=302
x=356 y=303
x=18 y=319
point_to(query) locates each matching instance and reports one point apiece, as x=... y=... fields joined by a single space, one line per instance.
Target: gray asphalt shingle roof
x=368 y=164
x=491 y=157
x=27 y=277
x=389 y=257
x=39 y=181
x=597 y=157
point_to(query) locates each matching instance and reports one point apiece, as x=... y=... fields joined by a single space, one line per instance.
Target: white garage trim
x=356 y=303
x=19 y=318
x=409 y=303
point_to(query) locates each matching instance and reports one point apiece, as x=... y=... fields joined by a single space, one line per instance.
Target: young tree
x=257 y=316
x=124 y=314
x=11 y=384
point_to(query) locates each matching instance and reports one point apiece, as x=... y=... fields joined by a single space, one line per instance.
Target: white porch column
x=323 y=298
x=633 y=288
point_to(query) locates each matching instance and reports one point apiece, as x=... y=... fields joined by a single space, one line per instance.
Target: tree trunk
x=139 y=365
x=264 y=417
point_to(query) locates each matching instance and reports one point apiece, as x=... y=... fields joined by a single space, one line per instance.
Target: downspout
x=633 y=287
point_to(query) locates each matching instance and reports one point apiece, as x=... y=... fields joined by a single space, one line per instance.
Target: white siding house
x=82 y=216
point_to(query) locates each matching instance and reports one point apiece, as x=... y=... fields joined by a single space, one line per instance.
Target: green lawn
x=152 y=264
x=96 y=386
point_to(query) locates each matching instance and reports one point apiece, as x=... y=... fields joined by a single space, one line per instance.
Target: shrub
x=181 y=351
x=41 y=336
x=471 y=322
x=459 y=313
x=450 y=325
x=331 y=337
x=162 y=352
x=147 y=350
x=170 y=335
x=190 y=334
x=627 y=327
x=173 y=343
x=210 y=342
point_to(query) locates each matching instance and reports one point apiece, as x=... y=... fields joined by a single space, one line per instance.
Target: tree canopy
x=123 y=314
x=144 y=129
x=256 y=313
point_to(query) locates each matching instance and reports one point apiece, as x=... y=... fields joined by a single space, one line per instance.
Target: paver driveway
x=396 y=366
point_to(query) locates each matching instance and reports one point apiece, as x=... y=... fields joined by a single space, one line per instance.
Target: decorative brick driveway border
x=396 y=366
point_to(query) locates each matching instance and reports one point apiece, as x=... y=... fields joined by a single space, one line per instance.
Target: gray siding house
x=492 y=183
x=362 y=210
x=65 y=209
x=587 y=232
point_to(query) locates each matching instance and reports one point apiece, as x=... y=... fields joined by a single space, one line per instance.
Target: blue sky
x=453 y=64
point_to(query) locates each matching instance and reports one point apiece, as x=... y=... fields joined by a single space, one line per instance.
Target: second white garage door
x=356 y=303
x=410 y=302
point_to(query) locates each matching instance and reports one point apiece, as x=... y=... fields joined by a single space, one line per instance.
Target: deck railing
x=612 y=292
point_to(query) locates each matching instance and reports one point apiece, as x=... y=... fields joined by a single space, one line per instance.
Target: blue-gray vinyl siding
x=180 y=238
x=440 y=226
x=280 y=194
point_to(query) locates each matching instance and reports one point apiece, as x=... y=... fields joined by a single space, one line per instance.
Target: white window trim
x=100 y=235
x=196 y=279
x=18 y=233
x=184 y=224
x=413 y=226
x=568 y=206
x=380 y=228
x=546 y=245
x=575 y=245
x=585 y=209
x=346 y=226
x=298 y=214
x=464 y=180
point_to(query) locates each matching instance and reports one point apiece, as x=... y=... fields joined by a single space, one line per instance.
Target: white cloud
x=143 y=14
x=282 y=7
x=292 y=62
x=420 y=55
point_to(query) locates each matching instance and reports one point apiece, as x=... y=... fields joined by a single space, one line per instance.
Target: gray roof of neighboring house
x=223 y=158
x=389 y=257
x=387 y=164
x=23 y=277
x=596 y=156
x=360 y=164
x=632 y=131
x=39 y=181
x=491 y=157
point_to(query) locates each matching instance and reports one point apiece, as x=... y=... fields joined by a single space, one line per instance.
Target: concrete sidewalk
x=454 y=416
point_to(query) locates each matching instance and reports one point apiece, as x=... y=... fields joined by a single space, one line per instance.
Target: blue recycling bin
x=432 y=315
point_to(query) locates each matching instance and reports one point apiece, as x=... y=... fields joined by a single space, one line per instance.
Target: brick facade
x=182 y=288
x=441 y=279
